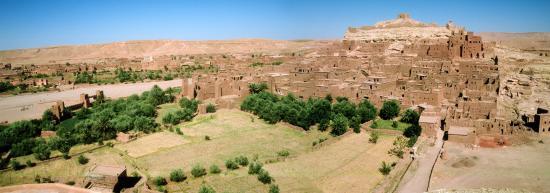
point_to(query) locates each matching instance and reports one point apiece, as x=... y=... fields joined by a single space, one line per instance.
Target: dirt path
x=420 y=179
x=29 y=106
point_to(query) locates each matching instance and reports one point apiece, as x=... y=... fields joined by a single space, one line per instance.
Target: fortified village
x=445 y=72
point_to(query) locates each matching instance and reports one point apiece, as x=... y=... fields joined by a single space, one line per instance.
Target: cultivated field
x=232 y=133
x=151 y=143
x=524 y=167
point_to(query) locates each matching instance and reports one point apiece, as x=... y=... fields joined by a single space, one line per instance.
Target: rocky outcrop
x=403 y=28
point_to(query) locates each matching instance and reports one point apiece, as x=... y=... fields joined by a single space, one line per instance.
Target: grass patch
x=389 y=124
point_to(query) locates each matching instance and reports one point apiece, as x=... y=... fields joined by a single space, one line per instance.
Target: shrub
x=283 y=153
x=314 y=143
x=257 y=87
x=231 y=165
x=339 y=125
x=323 y=124
x=207 y=138
x=42 y=150
x=70 y=183
x=159 y=181
x=83 y=160
x=410 y=116
x=264 y=177
x=374 y=124
x=273 y=189
x=177 y=175
x=30 y=163
x=374 y=137
x=178 y=131
x=413 y=130
x=241 y=160
x=412 y=141
x=394 y=124
x=189 y=104
x=210 y=108
x=206 y=189
x=198 y=171
x=389 y=110
x=385 y=169
x=16 y=165
x=254 y=168
x=214 y=169
x=355 y=123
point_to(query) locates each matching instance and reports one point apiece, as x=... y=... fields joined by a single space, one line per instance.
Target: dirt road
x=420 y=179
x=29 y=106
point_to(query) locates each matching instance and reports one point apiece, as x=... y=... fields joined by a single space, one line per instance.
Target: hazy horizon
x=34 y=24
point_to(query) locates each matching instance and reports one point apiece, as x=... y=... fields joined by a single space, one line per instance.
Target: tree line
x=101 y=122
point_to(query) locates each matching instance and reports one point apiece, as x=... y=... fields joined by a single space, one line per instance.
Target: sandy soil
x=524 y=167
x=29 y=106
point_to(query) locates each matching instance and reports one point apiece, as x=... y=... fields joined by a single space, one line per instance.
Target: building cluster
x=452 y=80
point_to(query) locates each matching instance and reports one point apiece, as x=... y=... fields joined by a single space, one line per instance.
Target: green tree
x=339 y=125
x=355 y=124
x=189 y=104
x=389 y=110
x=345 y=108
x=410 y=116
x=257 y=87
x=42 y=150
x=159 y=181
x=366 y=111
x=413 y=130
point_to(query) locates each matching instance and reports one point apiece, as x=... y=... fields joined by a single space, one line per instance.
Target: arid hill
x=524 y=41
x=129 y=49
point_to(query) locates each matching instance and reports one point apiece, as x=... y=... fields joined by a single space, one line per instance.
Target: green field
x=348 y=163
x=387 y=124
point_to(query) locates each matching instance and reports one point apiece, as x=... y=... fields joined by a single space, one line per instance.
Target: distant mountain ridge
x=141 y=48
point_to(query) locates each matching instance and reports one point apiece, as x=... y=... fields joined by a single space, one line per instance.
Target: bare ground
x=524 y=167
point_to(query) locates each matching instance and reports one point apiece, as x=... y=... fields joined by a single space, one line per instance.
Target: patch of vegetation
x=304 y=113
x=374 y=137
x=206 y=189
x=230 y=164
x=273 y=189
x=177 y=175
x=254 y=168
x=159 y=181
x=214 y=169
x=264 y=177
x=210 y=108
x=241 y=160
x=198 y=171
x=83 y=160
x=410 y=116
x=390 y=109
x=283 y=153
x=385 y=168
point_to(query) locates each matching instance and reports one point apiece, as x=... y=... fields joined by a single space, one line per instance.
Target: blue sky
x=40 y=23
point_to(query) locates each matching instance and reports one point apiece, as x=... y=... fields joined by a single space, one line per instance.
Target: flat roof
x=429 y=119
x=108 y=170
x=458 y=130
